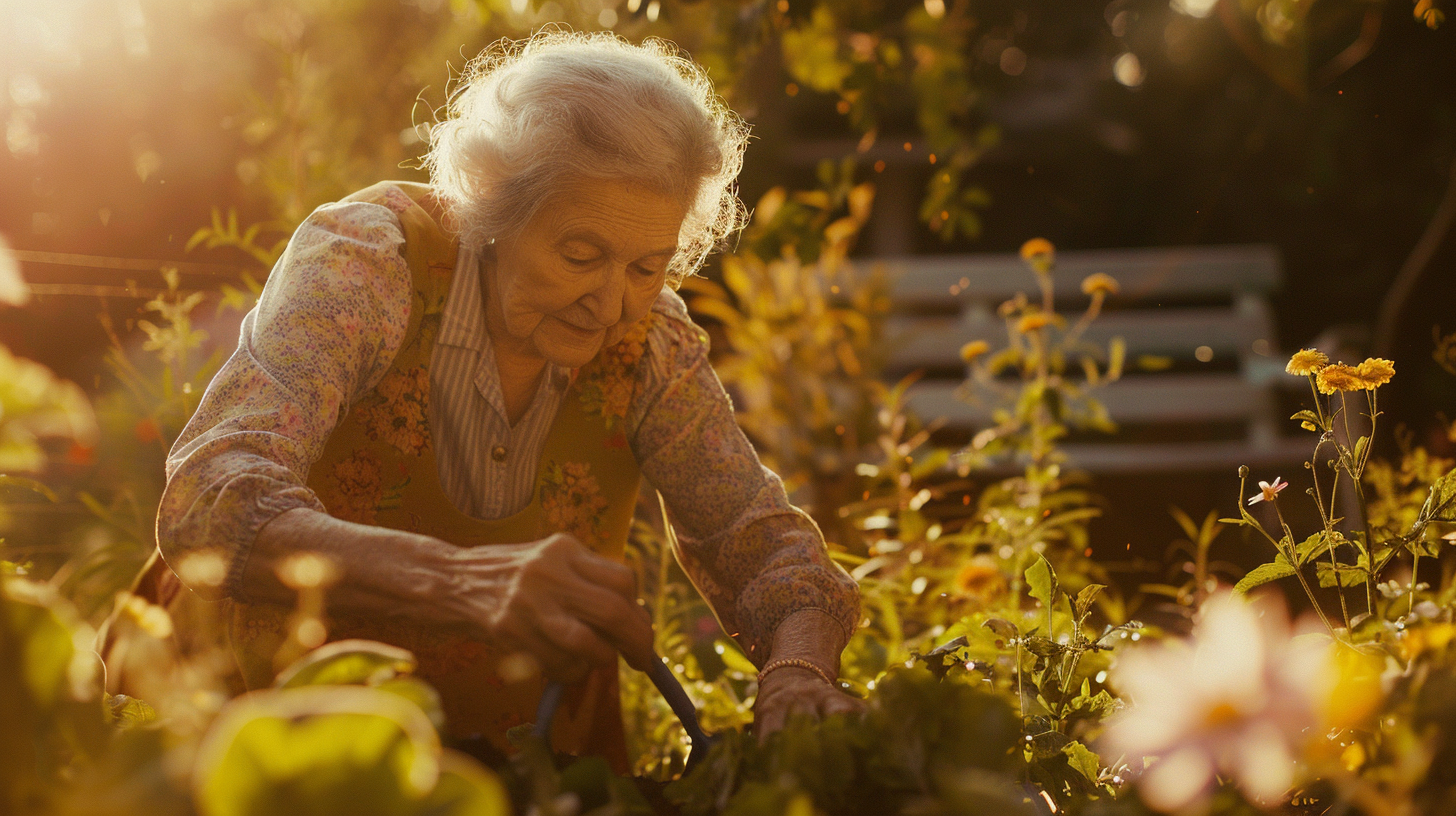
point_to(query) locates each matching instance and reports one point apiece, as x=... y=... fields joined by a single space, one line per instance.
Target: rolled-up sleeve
x=328 y=323
x=755 y=557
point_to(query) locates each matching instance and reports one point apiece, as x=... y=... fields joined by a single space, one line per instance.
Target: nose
x=606 y=300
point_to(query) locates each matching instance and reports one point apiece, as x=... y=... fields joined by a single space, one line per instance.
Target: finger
x=839 y=703
x=804 y=705
x=525 y=636
x=574 y=638
x=626 y=625
x=605 y=572
x=768 y=719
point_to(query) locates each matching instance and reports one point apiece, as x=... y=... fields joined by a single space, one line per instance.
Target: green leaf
x=41 y=624
x=1048 y=744
x=1312 y=547
x=1306 y=415
x=1086 y=597
x=1442 y=500
x=735 y=659
x=347 y=662
x=1263 y=574
x=1116 y=358
x=328 y=751
x=1346 y=575
x=466 y=788
x=1041 y=581
x=421 y=694
x=1083 y=760
x=31 y=485
x=1043 y=647
x=1003 y=628
x=129 y=712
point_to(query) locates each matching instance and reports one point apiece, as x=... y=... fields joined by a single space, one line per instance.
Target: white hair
x=530 y=116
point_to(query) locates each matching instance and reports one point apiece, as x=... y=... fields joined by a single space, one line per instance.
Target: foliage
x=928 y=744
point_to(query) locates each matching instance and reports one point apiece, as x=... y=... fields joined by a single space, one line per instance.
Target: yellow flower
x=979 y=577
x=974 y=349
x=1099 y=283
x=1338 y=377
x=1306 y=362
x=1032 y=322
x=1038 y=248
x=1375 y=371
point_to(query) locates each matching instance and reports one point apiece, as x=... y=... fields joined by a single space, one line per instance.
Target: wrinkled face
x=582 y=271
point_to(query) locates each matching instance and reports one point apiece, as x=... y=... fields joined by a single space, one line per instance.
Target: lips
x=579 y=331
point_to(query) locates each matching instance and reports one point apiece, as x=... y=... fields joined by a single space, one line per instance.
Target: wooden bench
x=1203 y=310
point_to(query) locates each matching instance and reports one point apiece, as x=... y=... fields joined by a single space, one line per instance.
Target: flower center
x=1221 y=714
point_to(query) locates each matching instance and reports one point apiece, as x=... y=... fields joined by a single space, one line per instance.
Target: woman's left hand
x=791 y=690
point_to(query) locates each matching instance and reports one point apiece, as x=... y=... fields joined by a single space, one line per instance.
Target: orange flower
x=1375 y=372
x=1100 y=283
x=147 y=430
x=360 y=488
x=1338 y=377
x=79 y=454
x=1307 y=361
x=1038 y=249
x=1033 y=321
x=979 y=576
x=974 y=349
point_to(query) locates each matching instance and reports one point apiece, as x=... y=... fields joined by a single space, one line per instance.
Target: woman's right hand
x=555 y=600
x=566 y=607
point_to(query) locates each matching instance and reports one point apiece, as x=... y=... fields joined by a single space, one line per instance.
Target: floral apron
x=378 y=467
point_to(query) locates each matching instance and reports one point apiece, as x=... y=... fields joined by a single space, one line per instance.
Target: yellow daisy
x=1375 y=371
x=1338 y=377
x=1306 y=362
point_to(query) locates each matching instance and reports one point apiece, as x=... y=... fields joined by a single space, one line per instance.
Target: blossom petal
x=1177 y=780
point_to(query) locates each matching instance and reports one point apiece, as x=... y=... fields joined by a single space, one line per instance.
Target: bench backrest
x=1204 y=310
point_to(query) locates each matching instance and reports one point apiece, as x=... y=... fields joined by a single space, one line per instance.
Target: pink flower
x=1267 y=491
x=1239 y=699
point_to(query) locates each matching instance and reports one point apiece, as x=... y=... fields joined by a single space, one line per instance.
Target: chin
x=571 y=355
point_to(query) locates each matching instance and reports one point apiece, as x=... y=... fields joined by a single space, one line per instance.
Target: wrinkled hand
x=555 y=600
x=791 y=690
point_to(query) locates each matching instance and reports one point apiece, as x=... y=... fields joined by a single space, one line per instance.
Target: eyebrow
x=594 y=238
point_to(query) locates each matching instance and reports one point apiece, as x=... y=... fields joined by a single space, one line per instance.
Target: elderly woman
x=453 y=391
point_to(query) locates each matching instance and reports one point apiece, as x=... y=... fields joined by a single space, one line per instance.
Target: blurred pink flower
x=13 y=290
x=1267 y=491
x=1239 y=699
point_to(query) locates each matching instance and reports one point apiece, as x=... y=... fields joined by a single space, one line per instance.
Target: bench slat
x=1166 y=398
x=936 y=341
x=1165 y=457
x=1145 y=274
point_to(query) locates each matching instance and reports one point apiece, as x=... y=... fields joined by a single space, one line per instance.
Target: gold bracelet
x=797 y=662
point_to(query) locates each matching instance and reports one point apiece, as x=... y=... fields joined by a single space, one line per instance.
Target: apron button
x=499 y=453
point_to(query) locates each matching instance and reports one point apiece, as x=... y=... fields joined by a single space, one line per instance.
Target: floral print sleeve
x=756 y=558
x=329 y=321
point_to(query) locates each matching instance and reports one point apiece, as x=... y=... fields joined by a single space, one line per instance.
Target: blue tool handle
x=546 y=711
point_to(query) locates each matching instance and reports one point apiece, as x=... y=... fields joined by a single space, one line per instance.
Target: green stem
x=1329 y=529
x=1298 y=573
x=1410 y=609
